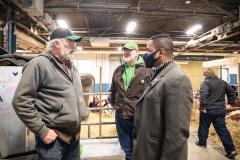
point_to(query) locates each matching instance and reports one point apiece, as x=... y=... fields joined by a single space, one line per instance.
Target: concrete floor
x=106 y=149
x=199 y=153
x=109 y=149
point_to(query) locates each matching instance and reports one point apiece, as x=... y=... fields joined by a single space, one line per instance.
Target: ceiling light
x=131 y=26
x=192 y=30
x=62 y=23
x=187 y=2
x=119 y=48
x=235 y=52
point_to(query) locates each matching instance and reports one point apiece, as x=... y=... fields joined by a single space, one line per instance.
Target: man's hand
x=204 y=110
x=228 y=106
x=50 y=137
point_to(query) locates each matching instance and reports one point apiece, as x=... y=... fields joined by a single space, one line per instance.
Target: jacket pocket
x=67 y=117
x=143 y=79
x=153 y=145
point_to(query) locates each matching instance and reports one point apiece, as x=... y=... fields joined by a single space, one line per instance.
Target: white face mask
x=65 y=52
x=130 y=58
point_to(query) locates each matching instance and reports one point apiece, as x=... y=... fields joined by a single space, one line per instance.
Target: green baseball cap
x=65 y=33
x=131 y=45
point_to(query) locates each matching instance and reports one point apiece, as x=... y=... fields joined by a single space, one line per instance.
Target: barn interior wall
x=194 y=71
x=97 y=61
x=233 y=70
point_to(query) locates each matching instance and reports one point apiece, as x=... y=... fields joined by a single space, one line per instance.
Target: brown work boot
x=231 y=155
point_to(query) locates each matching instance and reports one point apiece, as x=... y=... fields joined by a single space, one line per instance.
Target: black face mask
x=149 y=59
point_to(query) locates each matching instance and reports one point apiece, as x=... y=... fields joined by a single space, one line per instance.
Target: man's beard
x=66 y=53
x=130 y=58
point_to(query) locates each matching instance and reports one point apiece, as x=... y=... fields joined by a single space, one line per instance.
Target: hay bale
x=108 y=130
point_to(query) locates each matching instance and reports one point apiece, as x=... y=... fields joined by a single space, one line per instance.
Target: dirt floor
x=110 y=130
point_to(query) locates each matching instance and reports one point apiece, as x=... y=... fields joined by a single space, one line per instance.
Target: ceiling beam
x=72 y=9
x=1 y=2
x=221 y=10
x=225 y=61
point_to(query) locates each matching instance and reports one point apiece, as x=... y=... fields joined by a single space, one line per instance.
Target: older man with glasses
x=49 y=98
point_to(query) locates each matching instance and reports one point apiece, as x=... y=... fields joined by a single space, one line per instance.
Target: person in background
x=163 y=112
x=213 y=110
x=128 y=83
x=49 y=98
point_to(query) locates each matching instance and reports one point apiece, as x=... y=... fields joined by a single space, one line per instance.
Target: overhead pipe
x=215 y=35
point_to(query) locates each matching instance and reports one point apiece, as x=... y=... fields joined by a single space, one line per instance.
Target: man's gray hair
x=50 y=44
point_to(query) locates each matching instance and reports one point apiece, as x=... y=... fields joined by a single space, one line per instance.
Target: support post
x=11 y=40
x=11 y=43
x=1 y=36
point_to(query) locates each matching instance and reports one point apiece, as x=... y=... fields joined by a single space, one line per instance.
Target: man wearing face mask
x=162 y=116
x=128 y=83
x=49 y=98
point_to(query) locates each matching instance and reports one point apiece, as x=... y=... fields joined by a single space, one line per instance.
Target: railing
x=100 y=123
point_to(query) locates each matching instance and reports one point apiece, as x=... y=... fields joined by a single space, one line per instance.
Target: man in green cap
x=128 y=83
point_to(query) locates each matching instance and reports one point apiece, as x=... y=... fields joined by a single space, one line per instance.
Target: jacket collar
x=157 y=76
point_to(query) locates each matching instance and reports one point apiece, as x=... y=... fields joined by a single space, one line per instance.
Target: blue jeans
x=217 y=117
x=58 y=150
x=125 y=137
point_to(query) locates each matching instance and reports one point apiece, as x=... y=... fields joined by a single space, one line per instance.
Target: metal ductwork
x=33 y=7
x=219 y=33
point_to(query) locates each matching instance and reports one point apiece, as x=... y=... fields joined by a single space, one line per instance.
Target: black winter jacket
x=213 y=91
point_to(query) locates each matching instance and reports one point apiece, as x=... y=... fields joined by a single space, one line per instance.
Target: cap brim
x=74 y=38
x=128 y=48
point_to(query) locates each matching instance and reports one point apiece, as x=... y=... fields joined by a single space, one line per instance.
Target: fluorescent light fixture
x=62 y=23
x=131 y=26
x=192 y=30
x=235 y=52
x=119 y=48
